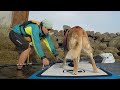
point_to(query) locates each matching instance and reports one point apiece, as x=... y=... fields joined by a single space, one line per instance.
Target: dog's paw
x=75 y=73
x=96 y=71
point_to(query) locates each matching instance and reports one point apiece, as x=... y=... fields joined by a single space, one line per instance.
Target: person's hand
x=45 y=62
x=58 y=59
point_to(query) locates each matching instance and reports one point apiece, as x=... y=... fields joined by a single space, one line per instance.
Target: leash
x=65 y=39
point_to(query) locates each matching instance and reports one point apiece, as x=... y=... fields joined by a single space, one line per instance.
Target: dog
x=75 y=40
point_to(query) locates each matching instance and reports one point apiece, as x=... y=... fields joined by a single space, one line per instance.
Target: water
x=11 y=72
x=113 y=67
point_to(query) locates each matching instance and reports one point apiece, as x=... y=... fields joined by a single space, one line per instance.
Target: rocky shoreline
x=101 y=43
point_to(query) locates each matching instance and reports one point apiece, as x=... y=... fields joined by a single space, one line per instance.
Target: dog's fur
x=78 y=40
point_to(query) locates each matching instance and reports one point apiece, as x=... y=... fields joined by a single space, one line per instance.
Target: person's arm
x=51 y=45
x=36 y=41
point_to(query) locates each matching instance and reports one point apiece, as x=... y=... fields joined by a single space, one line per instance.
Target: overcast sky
x=98 y=21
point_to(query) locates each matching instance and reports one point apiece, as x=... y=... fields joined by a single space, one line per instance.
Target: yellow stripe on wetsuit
x=28 y=31
x=47 y=44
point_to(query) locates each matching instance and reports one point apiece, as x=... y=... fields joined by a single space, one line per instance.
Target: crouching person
x=36 y=31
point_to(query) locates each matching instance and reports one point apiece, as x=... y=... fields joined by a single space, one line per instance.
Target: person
x=36 y=31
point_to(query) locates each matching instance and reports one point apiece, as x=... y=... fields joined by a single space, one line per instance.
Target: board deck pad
x=85 y=69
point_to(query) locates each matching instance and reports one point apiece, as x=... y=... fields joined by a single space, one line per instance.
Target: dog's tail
x=74 y=52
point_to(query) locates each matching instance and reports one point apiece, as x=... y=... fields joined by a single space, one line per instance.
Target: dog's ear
x=66 y=27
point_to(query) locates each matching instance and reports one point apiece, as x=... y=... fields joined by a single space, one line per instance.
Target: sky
x=97 y=21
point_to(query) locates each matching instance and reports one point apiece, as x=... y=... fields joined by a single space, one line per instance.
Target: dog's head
x=66 y=28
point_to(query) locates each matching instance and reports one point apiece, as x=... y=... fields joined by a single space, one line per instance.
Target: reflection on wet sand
x=11 y=72
x=20 y=74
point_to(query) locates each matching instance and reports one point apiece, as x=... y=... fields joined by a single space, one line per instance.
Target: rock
x=118 y=33
x=90 y=34
x=115 y=42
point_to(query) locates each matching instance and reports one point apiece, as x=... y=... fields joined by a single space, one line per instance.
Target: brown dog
x=76 y=39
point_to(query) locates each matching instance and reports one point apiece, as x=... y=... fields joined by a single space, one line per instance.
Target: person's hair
x=41 y=24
